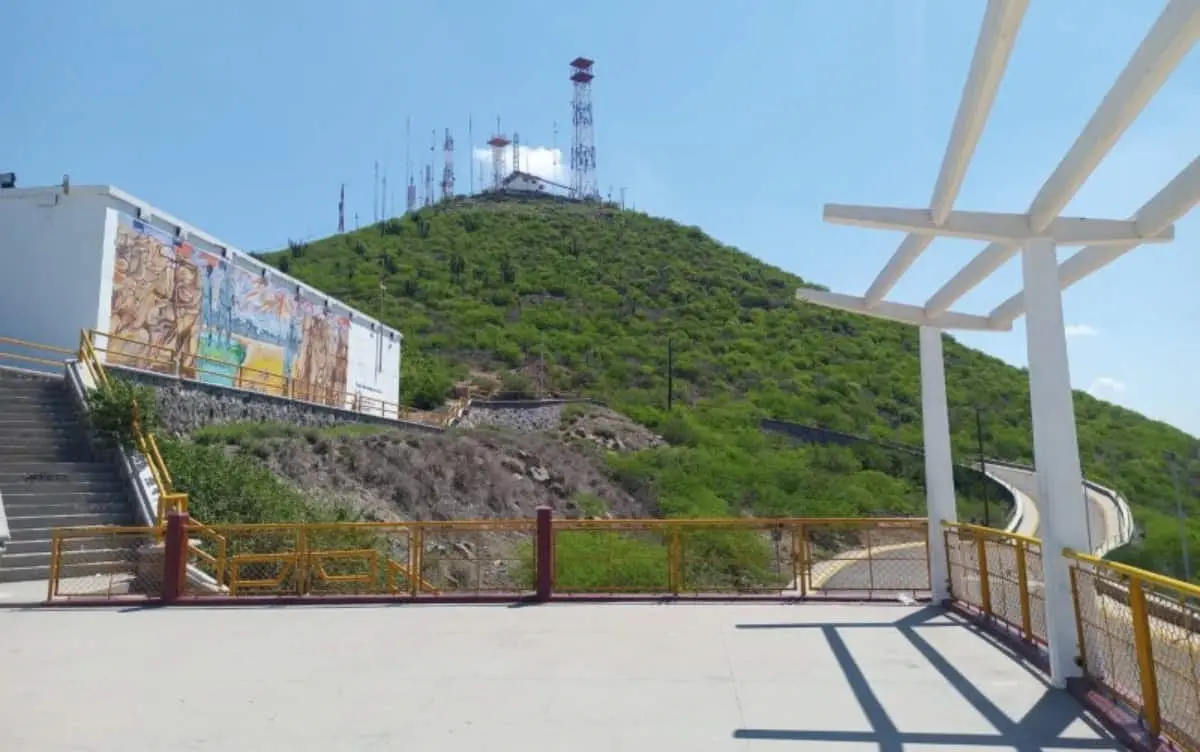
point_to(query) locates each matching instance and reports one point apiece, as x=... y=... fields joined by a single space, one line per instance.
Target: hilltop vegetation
x=535 y=295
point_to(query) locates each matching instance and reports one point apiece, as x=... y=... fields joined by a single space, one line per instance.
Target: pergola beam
x=1168 y=205
x=905 y=314
x=1168 y=42
x=1001 y=23
x=996 y=226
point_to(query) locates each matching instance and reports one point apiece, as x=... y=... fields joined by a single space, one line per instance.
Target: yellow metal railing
x=1000 y=574
x=1139 y=632
x=799 y=557
x=807 y=556
x=48 y=355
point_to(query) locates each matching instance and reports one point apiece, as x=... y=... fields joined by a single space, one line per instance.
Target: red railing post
x=544 y=554
x=174 y=556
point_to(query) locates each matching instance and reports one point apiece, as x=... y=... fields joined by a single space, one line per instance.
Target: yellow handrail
x=1134 y=573
x=1137 y=630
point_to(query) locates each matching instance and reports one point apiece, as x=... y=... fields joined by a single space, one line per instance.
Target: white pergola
x=1034 y=234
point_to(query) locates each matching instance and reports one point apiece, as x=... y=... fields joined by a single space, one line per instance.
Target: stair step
x=24 y=389
x=13 y=560
x=34 y=573
x=9 y=422
x=18 y=522
x=35 y=429
x=102 y=484
x=19 y=504
x=42 y=442
x=38 y=540
x=7 y=446
x=72 y=469
x=35 y=546
x=18 y=410
x=40 y=456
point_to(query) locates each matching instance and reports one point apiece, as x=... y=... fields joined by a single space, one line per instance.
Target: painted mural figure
x=295 y=338
x=226 y=301
x=174 y=305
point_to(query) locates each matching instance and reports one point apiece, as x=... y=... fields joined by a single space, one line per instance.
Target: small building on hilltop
x=167 y=297
x=524 y=182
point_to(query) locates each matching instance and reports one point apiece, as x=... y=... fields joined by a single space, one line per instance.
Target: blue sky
x=244 y=118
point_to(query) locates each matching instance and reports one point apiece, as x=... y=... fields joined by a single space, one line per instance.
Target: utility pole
x=670 y=373
x=1181 y=517
x=987 y=509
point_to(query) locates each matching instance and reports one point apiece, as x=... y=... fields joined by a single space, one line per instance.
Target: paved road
x=896 y=569
x=1097 y=508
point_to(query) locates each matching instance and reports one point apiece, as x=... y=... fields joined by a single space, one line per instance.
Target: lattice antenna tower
x=583 y=145
x=448 y=167
x=499 y=143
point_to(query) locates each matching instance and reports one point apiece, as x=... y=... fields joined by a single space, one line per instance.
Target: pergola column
x=1056 y=451
x=939 y=464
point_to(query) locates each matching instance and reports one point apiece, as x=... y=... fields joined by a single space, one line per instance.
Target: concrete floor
x=603 y=677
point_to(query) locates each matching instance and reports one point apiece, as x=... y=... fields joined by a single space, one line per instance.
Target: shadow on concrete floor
x=1041 y=728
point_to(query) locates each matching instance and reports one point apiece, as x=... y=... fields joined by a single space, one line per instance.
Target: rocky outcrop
x=569 y=420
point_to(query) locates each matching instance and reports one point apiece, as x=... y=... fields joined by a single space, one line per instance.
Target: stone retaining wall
x=188 y=405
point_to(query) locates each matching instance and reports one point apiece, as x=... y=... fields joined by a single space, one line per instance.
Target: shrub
x=113 y=404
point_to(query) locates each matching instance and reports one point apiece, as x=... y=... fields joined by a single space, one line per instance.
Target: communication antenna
x=448 y=167
x=411 y=193
x=342 y=210
x=429 y=170
x=471 y=150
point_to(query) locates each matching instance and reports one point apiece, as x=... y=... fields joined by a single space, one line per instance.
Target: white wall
x=374 y=371
x=57 y=255
x=51 y=259
x=524 y=183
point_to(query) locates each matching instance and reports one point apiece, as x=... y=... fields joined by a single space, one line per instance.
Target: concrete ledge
x=530 y=404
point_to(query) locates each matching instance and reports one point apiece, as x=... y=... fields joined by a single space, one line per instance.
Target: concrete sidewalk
x=559 y=677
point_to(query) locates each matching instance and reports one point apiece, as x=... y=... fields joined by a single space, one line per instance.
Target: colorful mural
x=174 y=305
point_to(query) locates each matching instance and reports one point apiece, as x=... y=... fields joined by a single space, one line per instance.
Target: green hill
x=550 y=296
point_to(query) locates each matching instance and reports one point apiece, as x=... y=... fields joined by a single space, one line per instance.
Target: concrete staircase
x=48 y=479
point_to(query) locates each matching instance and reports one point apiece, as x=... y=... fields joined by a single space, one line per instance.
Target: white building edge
x=57 y=249
x=1035 y=234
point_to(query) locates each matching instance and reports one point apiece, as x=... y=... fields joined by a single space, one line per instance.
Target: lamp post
x=987 y=502
x=670 y=373
x=987 y=507
x=1184 y=551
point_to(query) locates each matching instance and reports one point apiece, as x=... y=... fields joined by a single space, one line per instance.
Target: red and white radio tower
x=448 y=167
x=498 y=143
x=583 y=145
